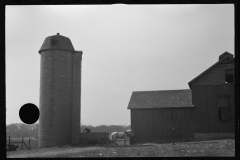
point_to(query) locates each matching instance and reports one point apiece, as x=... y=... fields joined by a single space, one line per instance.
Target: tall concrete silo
x=60 y=92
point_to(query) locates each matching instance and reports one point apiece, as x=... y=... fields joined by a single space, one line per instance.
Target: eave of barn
x=160 y=99
x=174 y=107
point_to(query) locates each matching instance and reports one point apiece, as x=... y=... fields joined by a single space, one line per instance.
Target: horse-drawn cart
x=100 y=138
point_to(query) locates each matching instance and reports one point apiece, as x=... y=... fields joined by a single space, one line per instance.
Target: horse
x=86 y=130
x=121 y=135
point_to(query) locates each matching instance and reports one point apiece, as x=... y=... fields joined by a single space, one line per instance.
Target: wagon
x=94 y=138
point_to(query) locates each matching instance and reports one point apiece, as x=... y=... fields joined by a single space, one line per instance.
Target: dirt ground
x=212 y=148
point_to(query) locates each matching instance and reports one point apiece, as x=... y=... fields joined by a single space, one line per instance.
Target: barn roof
x=222 y=58
x=161 y=99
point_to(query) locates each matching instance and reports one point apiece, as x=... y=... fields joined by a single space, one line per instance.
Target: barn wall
x=214 y=76
x=206 y=113
x=162 y=125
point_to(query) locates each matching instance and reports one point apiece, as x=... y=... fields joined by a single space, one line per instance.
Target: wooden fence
x=17 y=141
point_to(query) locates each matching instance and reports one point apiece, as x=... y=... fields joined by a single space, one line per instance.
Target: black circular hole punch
x=29 y=113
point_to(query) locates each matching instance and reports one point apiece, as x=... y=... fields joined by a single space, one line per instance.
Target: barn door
x=183 y=125
x=224 y=108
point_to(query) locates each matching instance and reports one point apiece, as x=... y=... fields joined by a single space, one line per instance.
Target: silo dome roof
x=57 y=42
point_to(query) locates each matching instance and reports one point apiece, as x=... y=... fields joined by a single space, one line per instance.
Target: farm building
x=60 y=92
x=162 y=116
x=207 y=107
x=213 y=97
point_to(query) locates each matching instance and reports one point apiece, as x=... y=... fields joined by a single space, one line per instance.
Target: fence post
x=29 y=143
x=22 y=143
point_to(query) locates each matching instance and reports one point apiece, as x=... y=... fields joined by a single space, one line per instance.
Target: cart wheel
x=83 y=141
x=108 y=141
x=92 y=141
x=102 y=141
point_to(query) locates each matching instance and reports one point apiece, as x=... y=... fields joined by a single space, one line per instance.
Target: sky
x=125 y=48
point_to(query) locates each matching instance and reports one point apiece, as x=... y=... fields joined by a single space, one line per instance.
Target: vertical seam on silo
x=51 y=61
x=52 y=89
x=72 y=118
x=80 y=94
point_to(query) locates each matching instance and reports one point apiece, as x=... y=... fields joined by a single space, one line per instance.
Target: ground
x=211 y=148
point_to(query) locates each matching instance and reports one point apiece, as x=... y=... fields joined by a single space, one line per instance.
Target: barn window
x=54 y=42
x=224 y=114
x=229 y=76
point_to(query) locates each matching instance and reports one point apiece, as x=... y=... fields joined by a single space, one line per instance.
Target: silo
x=60 y=92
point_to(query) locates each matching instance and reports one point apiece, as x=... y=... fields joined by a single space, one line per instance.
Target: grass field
x=211 y=148
x=213 y=136
x=197 y=137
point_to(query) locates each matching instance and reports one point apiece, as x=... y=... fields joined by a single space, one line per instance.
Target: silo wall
x=76 y=99
x=59 y=98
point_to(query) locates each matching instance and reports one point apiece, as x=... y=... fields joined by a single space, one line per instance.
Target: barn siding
x=155 y=125
x=206 y=116
x=214 y=76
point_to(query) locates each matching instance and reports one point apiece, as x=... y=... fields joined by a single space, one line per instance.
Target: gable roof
x=161 y=99
x=224 y=55
x=222 y=58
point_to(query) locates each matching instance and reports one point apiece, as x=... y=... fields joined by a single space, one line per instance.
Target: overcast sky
x=125 y=48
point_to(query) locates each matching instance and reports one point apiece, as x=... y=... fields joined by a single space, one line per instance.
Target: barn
x=162 y=116
x=213 y=97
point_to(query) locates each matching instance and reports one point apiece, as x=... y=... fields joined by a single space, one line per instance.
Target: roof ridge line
x=162 y=90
